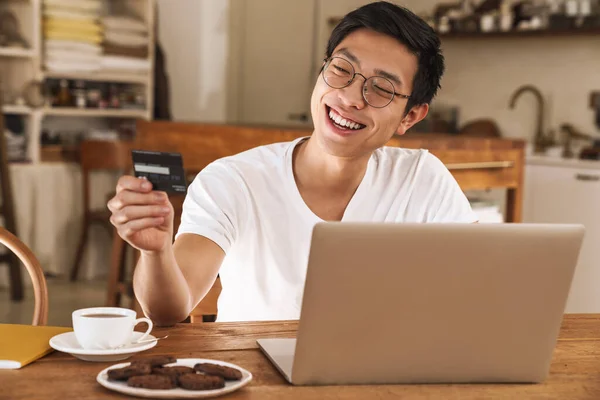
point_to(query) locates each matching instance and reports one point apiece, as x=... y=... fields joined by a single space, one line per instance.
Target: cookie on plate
x=173 y=372
x=201 y=382
x=156 y=361
x=122 y=374
x=227 y=373
x=156 y=382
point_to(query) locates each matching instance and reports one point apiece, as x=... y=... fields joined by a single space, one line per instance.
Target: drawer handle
x=587 y=178
x=481 y=165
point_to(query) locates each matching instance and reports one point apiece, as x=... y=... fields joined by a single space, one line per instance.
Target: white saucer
x=67 y=343
x=121 y=387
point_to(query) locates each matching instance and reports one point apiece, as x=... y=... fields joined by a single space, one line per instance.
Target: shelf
x=16 y=52
x=93 y=112
x=515 y=34
x=100 y=76
x=20 y=110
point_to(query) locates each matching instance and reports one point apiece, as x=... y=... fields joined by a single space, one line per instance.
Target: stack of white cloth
x=73 y=35
x=126 y=44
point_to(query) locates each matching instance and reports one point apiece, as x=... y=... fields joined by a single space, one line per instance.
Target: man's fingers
x=134 y=184
x=132 y=227
x=127 y=198
x=131 y=213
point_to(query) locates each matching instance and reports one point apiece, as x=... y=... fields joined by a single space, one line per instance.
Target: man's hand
x=143 y=217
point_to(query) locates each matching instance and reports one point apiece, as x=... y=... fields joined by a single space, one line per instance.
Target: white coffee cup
x=102 y=328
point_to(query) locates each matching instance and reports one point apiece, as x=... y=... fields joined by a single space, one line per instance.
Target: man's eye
x=383 y=90
x=341 y=70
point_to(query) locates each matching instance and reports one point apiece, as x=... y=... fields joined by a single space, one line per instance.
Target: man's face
x=371 y=54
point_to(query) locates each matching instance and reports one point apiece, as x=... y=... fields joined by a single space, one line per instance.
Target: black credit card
x=163 y=170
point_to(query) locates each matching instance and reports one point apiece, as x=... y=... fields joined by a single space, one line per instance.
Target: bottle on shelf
x=64 y=98
x=80 y=94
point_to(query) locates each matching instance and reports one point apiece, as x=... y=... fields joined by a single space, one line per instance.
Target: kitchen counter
x=562 y=162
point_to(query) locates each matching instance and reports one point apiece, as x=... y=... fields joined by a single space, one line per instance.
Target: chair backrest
x=201 y=144
x=40 y=290
x=106 y=155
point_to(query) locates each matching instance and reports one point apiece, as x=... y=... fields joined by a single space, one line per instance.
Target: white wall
x=481 y=75
x=193 y=34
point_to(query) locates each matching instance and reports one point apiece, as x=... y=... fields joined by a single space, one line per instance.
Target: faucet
x=541 y=142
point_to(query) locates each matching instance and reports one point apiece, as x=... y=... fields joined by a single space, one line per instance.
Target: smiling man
x=250 y=217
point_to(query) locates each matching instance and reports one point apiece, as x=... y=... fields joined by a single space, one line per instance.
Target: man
x=249 y=217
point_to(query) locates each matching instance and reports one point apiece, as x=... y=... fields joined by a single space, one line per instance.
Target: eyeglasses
x=377 y=91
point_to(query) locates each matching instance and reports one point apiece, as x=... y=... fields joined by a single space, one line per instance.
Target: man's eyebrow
x=390 y=76
x=349 y=54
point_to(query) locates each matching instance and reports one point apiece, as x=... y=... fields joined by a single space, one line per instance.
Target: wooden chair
x=7 y=211
x=199 y=144
x=40 y=290
x=98 y=155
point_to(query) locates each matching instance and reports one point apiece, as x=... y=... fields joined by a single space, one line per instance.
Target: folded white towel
x=116 y=23
x=68 y=45
x=125 y=39
x=125 y=63
x=67 y=66
x=86 y=5
x=72 y=56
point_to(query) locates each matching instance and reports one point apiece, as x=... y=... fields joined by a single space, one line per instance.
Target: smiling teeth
x=338 y=119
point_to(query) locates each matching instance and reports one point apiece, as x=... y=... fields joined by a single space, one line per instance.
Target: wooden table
x=575 y=371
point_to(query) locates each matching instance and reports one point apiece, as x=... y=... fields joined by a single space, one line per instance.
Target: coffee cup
x=103 y=328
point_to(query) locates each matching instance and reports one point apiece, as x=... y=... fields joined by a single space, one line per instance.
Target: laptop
x=430 y=303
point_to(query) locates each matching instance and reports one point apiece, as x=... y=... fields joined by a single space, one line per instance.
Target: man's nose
x=352 y=95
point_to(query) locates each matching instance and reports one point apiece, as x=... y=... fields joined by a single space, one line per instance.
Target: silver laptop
x=430 y=303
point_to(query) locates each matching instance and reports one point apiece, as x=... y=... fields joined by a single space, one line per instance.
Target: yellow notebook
x=23 y=344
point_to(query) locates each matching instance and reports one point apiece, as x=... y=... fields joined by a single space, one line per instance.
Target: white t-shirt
x=250 y=206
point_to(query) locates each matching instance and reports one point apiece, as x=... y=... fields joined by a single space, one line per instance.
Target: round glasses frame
x=328 y=61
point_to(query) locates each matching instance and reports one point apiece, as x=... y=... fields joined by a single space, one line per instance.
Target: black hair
x=410 y=30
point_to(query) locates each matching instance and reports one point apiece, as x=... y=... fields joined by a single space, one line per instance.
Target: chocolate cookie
x=173 y=372
x=227 y=373
x=122 y=374
x=157 y=361
x=151 y=382
x=201 y=382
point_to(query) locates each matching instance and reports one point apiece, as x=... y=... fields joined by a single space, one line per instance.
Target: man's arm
x=171 y=283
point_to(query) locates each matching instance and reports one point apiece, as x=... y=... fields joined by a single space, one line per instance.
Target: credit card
x=163 y=170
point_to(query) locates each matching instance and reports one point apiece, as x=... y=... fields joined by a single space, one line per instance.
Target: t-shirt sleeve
x=442 y=196
x=214 y=205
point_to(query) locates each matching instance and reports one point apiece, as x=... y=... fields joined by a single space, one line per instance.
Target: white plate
x=178 y=393
x=67 y=343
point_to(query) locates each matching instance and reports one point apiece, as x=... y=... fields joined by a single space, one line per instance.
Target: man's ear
x=416 y=114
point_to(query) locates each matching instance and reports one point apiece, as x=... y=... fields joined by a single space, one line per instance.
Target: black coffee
x=103 y=315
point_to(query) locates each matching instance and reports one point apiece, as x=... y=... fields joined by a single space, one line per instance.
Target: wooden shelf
x=30 y=16
x=92 y=112
x=100 y=76
x=16 y=52
x=516 y=34
x=20 y=110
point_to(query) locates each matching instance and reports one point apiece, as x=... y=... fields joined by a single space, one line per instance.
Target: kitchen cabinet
x=558 y=191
